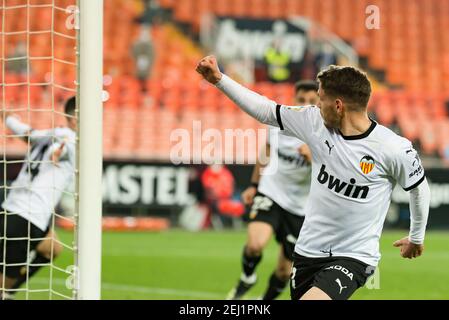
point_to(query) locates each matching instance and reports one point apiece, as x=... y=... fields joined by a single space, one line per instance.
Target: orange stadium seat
x=239 y=8
x=414 y=22
x=428 y=137
x=409 y=47
x=167 y=3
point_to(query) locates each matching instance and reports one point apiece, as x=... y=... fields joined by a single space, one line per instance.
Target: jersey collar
x=363 y=135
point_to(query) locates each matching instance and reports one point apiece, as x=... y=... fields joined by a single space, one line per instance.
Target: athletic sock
x=32 y=269
x=249 y=264
x=275 y=287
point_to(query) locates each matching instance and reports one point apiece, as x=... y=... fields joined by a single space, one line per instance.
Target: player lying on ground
x=277 y=199
x=356 y=163
x=26 y=213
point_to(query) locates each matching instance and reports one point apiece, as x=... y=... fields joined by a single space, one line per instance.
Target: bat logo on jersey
x=367 y=164
x=415 y=164
x=416 y=161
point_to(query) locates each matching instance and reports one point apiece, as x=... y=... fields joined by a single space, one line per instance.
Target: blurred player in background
x=277 y=201
x=26 y=213
x=355 y=165
x=218 y=184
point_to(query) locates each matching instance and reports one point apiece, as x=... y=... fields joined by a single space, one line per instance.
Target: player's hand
x=56 y=155
x=304 y=150
x=409 y=249
x=208 y=68
x=248 y=195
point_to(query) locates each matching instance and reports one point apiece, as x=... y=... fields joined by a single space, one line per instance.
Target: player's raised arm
x=23 y=130
x=15 y=125
x=257 y=106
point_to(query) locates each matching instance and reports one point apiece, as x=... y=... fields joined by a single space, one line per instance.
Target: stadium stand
x=406 y=46
x=413 y=56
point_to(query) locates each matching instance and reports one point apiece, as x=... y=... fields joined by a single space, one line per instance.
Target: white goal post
x=90 y=155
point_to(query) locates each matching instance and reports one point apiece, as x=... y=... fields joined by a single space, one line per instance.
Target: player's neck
x=71 y=124
x=355 y=123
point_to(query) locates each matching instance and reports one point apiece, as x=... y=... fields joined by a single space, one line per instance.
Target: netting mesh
x=38 y=75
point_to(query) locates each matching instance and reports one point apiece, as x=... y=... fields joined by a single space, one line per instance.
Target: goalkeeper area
x=178 y=264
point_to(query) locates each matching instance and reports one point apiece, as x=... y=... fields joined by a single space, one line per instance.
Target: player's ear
x=339 y=104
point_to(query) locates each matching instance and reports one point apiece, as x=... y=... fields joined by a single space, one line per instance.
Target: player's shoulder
x=65 y=133
x=307 y=108
x=305 y=114
x=392 y=143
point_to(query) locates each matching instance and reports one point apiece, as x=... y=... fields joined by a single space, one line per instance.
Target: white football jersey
x=286 y=178
x=352 y=182
x=40 y=183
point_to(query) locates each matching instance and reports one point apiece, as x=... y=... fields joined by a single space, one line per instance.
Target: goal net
x=39 y=149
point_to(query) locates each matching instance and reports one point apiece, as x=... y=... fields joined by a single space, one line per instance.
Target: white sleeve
x=17 y=126
x=70 y=148
x=294 y=121
x=23 y=129
x=40 y=135
x=419 y=211
x=407 y=169
x=257 y=106
x=300 y=121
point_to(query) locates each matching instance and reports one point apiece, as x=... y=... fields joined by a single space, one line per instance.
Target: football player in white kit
x=356 y=163
x=26 y=213
x=277 y=202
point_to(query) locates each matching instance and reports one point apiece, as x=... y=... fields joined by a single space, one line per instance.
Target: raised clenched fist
x=208 y=68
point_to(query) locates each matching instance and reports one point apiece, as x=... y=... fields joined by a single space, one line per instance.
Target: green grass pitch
x=181 y=265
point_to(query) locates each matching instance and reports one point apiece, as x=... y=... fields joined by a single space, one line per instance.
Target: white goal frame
x=90 y=149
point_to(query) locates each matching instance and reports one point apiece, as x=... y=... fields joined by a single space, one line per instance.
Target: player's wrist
x=220 y=79
x=217 y=78
x=415 y=242
x=254 y=185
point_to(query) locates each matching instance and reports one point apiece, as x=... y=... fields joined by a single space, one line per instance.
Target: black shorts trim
x=278 y=116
